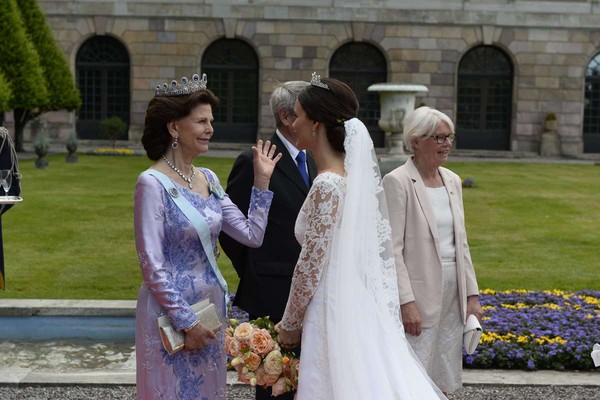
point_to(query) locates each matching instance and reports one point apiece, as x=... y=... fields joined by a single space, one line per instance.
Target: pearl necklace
x=174 y=168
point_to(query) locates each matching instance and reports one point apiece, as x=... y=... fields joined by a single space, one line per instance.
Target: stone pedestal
x=550 y=144
x=397 y=100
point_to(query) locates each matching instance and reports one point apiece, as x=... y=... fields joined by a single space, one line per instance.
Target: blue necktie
x=301 y=159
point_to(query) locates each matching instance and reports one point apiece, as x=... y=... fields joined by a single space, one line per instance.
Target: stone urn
x=397 y=100
x=71 y=143
x=550 y=140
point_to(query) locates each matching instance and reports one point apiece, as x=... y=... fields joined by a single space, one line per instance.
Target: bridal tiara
x=186 y=87
x=315 y=80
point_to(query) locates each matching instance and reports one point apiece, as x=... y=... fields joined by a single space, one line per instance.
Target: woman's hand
x=264 y=160
x=288 y=339
x=473 y=307
x=198 y=337
x=411 y=318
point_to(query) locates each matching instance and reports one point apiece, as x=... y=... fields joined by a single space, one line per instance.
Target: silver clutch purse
x=174 y=340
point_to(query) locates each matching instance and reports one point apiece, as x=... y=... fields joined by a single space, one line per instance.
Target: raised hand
x=264 y=160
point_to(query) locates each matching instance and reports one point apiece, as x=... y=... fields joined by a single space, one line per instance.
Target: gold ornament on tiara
x=186 y=87
x=315 y=80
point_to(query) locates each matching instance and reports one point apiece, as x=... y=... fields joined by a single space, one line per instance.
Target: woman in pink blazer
x=436 y=280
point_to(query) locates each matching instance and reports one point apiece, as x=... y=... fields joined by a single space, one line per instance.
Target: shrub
x=113 y=128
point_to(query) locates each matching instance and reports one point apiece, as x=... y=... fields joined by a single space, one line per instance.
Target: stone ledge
x=89 y=308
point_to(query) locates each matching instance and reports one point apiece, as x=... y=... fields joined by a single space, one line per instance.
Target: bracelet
x=192 y=326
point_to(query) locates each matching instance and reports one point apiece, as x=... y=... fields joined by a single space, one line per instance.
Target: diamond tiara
x=186 y=87
x=315 y=80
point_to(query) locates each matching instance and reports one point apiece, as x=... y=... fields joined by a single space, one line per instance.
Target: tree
x=62 y=92
x=5 y=94
x=20 y=65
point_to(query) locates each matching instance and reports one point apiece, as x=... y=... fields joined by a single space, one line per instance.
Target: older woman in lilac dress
x=175 y=266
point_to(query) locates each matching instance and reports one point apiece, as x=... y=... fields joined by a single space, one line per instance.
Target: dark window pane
x=102 y=66
x=360 y=65
x=232 y=69
x=591 y=111
x=484 y=100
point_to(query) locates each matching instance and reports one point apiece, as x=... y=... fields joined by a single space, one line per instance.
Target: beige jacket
x=416 y=245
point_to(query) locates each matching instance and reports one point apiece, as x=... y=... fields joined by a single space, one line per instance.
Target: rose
x=272 y=363
x=232 y=347
x=245 y=376
x=260 y=376
x=261 y=342
x=285 y=360
x=243 y=332
x=252 y=361
x=270 y=379
x=279 y=387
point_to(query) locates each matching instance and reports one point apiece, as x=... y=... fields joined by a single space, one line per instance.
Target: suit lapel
x=312 y=167
x=423 y=198
x=288 y=166
x=452 y=190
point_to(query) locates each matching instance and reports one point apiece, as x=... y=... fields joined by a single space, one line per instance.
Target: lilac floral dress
x=177 y=273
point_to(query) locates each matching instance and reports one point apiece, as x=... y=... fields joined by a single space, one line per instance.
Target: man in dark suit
x=8 y=160
x=266 y=272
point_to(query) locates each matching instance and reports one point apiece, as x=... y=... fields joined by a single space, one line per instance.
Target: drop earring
x=175 y=144
x=314 y=133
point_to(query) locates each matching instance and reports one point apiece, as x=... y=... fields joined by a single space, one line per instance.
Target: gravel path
x=246 y=393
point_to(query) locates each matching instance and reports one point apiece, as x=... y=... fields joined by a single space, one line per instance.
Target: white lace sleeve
x=322 y=212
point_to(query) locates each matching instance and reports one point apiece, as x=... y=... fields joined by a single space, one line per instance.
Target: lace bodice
x=314 y=231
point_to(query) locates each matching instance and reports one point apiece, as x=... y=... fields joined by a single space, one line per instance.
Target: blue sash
x=196 y=219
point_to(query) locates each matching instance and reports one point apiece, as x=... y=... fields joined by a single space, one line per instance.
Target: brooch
x=174 y=192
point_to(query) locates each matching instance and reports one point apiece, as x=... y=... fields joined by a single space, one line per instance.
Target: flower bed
x=537 y=330
x=532 y=330
x=110 y=151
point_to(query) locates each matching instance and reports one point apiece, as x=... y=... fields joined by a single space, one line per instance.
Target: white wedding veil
x=368 y=352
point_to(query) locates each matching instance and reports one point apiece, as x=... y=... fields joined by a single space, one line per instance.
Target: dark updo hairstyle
x=331 y=107
x=162 y=110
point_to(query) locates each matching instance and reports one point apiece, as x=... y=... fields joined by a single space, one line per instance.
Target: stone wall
x=550 y=44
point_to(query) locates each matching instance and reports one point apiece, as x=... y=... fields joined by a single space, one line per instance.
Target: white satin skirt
x=440 y=347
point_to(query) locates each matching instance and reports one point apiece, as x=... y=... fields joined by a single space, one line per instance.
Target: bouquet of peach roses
x=258 y=358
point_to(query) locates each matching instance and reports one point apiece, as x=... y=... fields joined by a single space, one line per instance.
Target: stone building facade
x=497 y=67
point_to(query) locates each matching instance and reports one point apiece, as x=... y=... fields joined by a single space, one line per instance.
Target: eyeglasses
x=442 y=138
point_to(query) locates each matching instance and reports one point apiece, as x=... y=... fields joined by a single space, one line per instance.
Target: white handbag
x=471 y=334
x=596 y=354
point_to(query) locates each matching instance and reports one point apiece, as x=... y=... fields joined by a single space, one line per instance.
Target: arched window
x=591 y=113
x=102 y=66
x=231 y=66
x=360 y=65
x=484 y=103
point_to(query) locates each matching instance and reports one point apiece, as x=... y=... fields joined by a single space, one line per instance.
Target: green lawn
x=533 y=226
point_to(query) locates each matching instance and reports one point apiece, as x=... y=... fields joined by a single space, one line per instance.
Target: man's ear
x=283 y=117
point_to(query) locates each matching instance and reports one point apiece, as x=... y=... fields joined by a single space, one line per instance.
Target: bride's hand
x=288 y=339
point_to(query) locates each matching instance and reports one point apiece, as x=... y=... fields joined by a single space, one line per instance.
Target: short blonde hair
x=422 y=123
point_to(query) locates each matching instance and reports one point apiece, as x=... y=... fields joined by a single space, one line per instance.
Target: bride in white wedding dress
x=343 y=303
